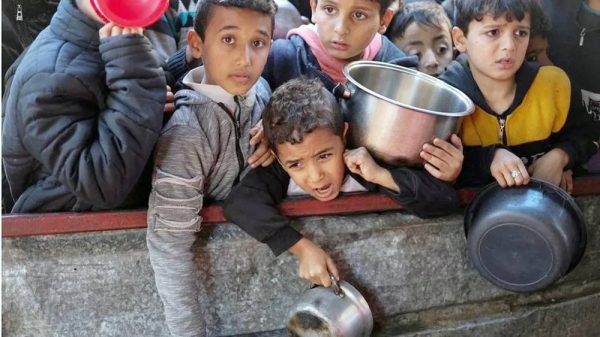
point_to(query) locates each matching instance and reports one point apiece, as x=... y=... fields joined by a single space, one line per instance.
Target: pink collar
x=330 y=65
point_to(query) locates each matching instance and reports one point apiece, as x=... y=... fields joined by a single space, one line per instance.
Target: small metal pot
x=392 y=110
x=524 y=238
x=339 y=311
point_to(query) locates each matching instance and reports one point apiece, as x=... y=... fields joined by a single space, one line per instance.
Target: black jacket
x=575 y=47
x=252 y=204
x=289 y=59
x=82 y=117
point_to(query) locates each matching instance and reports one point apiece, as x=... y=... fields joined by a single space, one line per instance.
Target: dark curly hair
x=299 y=107
x=466 y=11
x=205 y=8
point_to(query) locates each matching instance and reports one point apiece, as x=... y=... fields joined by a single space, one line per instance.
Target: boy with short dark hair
x=343 y=31
x=82 y=116
x=520 y=107
x=306 y=132
x=203 y=150
x=423 y=29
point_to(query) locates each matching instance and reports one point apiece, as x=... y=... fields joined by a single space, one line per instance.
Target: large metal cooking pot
x=392 y=110
x=339 y=311
x=524 y=238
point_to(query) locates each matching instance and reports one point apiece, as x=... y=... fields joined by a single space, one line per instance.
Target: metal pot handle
x=336 y=286
x=342 y=91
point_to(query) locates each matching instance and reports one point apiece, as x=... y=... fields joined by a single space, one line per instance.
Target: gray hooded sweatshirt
x=201 y=153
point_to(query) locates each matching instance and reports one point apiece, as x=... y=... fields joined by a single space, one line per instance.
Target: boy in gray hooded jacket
x=203 y=150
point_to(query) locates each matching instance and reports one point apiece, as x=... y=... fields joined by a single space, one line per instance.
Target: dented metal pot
x=339 y=311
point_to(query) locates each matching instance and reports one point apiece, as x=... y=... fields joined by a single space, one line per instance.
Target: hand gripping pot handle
x=336 y=286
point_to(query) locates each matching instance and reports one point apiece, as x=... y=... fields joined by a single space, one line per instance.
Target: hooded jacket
x=529 y=128
x=200 y=154
x=292 y=58
x=81 y=118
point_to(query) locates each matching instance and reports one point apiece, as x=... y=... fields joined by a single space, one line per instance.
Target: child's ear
x=194 y=43
x=458 y=36
x=385 y=20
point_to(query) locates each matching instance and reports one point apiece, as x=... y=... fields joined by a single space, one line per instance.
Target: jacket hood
x=459 y=75
x=188 y=96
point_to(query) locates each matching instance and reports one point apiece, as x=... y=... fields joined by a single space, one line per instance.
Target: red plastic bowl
x=130 y=13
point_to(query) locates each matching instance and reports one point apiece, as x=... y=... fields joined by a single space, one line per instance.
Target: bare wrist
x=300 y=247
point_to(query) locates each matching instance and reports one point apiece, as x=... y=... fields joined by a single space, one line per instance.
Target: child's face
x=537 y=50
x=346 y=27
x=495 y=48
x=316 y=164
x=433 y=46
x=235 y=48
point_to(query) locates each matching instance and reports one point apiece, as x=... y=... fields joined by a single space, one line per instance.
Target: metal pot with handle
x=339 y=310
x=392 y=110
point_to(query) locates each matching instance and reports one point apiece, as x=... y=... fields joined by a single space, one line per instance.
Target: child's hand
x=444 y=160
x=550 y=166
x=314 y=265
x=110 y=29
x=566 y=183
x=169 y=101
x=262 y=155
x=508 y=169
x=360 y=161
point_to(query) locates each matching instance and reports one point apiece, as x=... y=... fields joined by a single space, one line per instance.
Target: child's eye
x=324 y=156
x=442 y=50
x=294 y=166
x=329 y=9
x=493 y=32
x=228 y=40
x=258 y=44
x=522 y=33
x=359 y=15
x=531 y=58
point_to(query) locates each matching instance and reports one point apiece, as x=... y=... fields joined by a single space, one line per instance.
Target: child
x=82 y=115
x=538 y=49
x=306 y=133
x=520 y=107
x=423 y=29
x=344 y=31
x=202 y=151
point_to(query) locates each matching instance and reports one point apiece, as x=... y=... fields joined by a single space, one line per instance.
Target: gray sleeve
x=183 y=161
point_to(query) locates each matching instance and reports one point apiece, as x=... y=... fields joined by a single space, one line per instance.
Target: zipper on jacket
x=502 y=133
x=236 y=125
x=19 y=13
x=582 y=36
